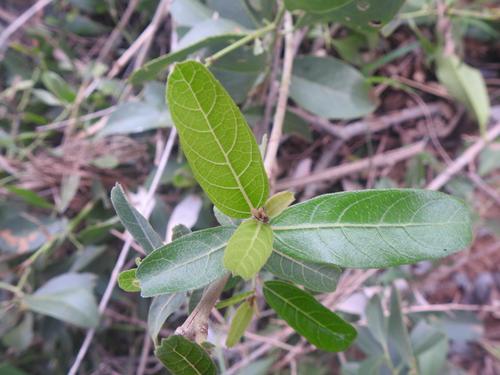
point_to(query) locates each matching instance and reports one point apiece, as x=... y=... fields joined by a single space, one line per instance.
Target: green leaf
x=183 y=357
x=216 y=140
x=397 y=332
x=225 y=220
x=330 y=88
x=278 y=203
x=361 y=15
x=20 y=337
x=319 y=277
x=466 y=84
x=127 y=281
x=249 y=248
x=30 y=197
x=154 y=67
x=134 y=222
x=57 y=86
x=67 y=297
x=188 y=263
x=234 y=299
x=376 y=321
x=179 y=231
x=161 y=308
x=374 y=228
x=320 y=326
x=240 y=322
x=315 y=6
x=431 y=348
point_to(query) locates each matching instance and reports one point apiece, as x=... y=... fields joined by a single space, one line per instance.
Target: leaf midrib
x=186 y=359
x=233 y=172
x=355 y=225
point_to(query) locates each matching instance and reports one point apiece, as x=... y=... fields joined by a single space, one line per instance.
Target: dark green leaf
x=374 y=228
x=330 y=88
x=161 y=308
x=134 y=222
x=188 y=263
x=315 y=6
x=318 y=277
x=320 y=326
x=179 y=231
x=216 y=140
x=127 y=281
x=183 y=357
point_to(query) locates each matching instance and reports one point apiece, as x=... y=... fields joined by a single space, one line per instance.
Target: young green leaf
x=183 y=357
x=234 y=299
x=330 y=88
x=216 y=140
x=278 y=203
x=467 y=85
x=188 y=263
x=320 y=326
x=161 y=308
x=134 y=222
x=249 y=248
x=319 y=277
x=240 y=322
x=67 y=297
x=373 y=228
x=127 y=281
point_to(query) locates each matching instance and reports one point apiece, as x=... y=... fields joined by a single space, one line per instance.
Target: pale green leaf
x=320 y=326
x=315 y=6
x=225 y=220
x=239 y=324
x=161 y=308
x=249 y=248
x=67 y=297
x=374 y=228
x=188 y=263
x=330 y=88
x=466 y=84
x=20 y=337
x=319 y=277
x=183 y=357
x=57 y=86
x=234 y=299
x=134 y=222
x=127 y=281
x=398 y=336
x=278 y=203
x=216 y=140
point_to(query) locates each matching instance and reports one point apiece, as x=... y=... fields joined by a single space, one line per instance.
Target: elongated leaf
x=320 y=326
x=188 y=263
x=278 y=203
x=319 y=277
x=234 y=299
x=330 y=88
x=315 y=6
x=398 y=337
x=249 y=248
x=467 y=85
x=127 y=281
x=183 y=357
x=67 y=297
x=374 y=228
x=154 y=67
x=58 y=87
x=216 y=140
x=161 y=308
x=239 y=324
x=134 y=222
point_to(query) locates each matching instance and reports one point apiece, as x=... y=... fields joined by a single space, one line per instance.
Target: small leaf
x=183 y=357
x=330 y=88
x=319 y=277
x=373 y=228
x=67 y=297
x=467 y=85
x=128 y=281
x=320 y=326
x=216 y=140
x=30 y=197
x=161 y=308
x=249 y=248
x=315 y=6
x=179 y=231
x=234 y=299
x=55 y=84
x=240 y=322
x=21 y=336
x=397 y=332
x=188 y=263
x=134 y=222
x=278 y=203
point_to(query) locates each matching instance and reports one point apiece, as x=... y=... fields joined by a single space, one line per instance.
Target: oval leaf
x=128 y=281
x=319 y=277
x=249 y=248
x=240 y=322
x=183 y=357
x=216 y=140
x=188 y=263
x=320 y=326
x=278 y=203
x=374 y=228
x=161 y=308
x=330 y=88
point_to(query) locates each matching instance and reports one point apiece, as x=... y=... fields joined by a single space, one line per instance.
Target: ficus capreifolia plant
x=305 y=244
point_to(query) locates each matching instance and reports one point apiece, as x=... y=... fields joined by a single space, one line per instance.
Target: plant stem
x=11 y=288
